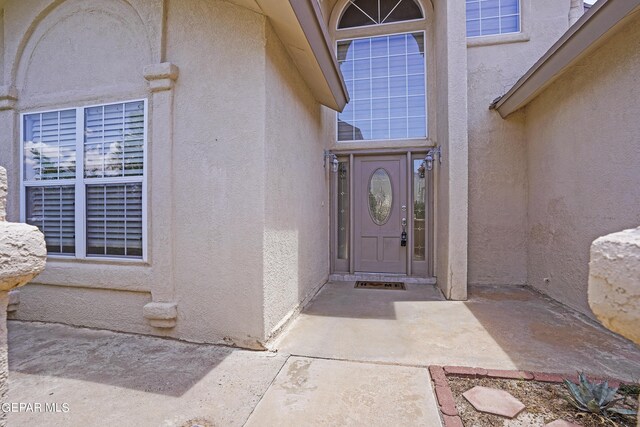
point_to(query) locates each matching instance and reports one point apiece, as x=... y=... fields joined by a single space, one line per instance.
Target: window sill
x=100 y=260
x=498 y=39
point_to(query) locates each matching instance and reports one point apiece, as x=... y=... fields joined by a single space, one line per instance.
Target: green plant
x=596 y=398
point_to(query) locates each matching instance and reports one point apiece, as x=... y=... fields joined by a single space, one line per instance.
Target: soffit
x=301 y=27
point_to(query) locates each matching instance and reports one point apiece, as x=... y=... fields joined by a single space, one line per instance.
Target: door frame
x=415 y=268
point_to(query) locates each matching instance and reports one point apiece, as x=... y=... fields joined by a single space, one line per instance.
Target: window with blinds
x=97 y=209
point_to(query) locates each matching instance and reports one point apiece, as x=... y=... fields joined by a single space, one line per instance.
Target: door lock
x=403 y=236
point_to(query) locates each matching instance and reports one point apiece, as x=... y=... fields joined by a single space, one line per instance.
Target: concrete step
x=381 y=277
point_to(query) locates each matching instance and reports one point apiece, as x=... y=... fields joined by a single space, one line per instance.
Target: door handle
x=403 y=236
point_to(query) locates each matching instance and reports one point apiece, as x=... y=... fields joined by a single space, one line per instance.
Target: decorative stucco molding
x=161 y=76
x=14 y=301
x=8 y=97
x=161 y=314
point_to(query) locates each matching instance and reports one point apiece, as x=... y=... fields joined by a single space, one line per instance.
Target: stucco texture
x=232 y=186
x=296 y=235
x=497 y=147
x=583 y=156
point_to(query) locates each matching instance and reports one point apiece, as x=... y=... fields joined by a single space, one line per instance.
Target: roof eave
x=300 y=27
x=603 y=16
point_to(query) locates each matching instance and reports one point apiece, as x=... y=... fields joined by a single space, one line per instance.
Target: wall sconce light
x=430 y=157
x=332 y=159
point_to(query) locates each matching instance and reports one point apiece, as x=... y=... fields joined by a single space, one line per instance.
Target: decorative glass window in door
x=419 y=210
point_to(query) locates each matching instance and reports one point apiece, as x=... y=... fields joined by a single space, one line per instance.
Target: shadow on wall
x=152 y=365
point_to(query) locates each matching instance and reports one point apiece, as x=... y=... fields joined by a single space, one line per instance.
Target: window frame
x=511 y=33
x=81 y=183
x=350 y=2
x=426 y=80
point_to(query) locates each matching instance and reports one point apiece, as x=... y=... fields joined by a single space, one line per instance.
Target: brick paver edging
x=446 y=401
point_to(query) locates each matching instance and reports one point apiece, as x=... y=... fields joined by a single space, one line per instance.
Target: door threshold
x=382 y=277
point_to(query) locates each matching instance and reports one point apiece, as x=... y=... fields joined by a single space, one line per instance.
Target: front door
x=380 y=202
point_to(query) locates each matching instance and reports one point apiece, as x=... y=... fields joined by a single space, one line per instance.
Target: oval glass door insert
x=380 y=196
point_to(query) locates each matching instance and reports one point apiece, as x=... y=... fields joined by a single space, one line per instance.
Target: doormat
x=391 y=286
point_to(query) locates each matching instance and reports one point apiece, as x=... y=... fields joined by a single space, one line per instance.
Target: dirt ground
x=544 y=403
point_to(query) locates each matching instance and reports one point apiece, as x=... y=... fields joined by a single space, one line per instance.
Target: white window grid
x=80 y=183
x=500 y=15
x=381 y=20
x=389 y=75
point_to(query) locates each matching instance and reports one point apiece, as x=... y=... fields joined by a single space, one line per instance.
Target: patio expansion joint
x=266 y=389
x=366 y=362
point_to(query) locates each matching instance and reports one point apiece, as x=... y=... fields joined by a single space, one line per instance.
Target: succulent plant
x=597 y=398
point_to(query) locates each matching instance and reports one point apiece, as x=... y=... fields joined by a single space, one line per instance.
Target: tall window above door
x=385 y=77
x=384 y=71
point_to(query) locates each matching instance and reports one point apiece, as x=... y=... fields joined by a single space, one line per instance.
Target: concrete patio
x=510 y=327
x=353 y=357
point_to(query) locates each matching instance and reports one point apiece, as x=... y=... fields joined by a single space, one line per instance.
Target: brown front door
x=380 y=202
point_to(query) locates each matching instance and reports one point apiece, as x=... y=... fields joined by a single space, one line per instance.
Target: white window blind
x=98 y=210
x=114 y=219
x=52 y=210
x=50 y=145
x=114 y=140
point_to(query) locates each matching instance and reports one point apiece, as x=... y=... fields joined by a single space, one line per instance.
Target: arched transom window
x=385 y=74
x=359 y=13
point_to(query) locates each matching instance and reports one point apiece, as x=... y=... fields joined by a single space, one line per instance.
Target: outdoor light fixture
x=333 y=160
x=431 y=154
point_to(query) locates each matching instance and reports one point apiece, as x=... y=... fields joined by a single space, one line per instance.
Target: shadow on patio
x=152 y=365
x=110 y=378
x=498 y=327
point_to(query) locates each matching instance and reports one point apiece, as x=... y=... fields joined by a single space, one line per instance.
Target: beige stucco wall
x=497 y=147
x=583 y=156
x=221 y=165
x=451 y=177
x=296 y=235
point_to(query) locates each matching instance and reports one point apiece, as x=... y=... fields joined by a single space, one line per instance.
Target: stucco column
x=23 y=255
x=452 y=184
x=10 y=148
x=162 y=312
